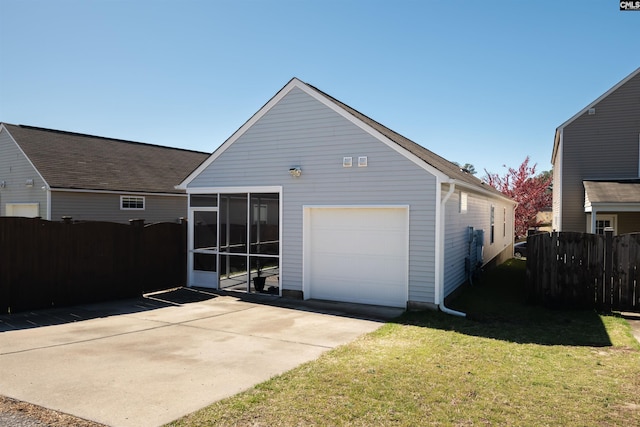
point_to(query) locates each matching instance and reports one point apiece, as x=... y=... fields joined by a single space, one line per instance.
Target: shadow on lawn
x=496 y=308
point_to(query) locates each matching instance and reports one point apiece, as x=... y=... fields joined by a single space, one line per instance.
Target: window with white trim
x=605 y=221
x=132 y=203
x=492 y=223
x=463 y=202
x=504 y=222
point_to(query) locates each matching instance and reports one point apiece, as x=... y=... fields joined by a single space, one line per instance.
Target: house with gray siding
x=53 y=174
x=596 y=164
x=312 y=199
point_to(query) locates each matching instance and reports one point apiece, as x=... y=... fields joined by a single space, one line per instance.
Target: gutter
x=440 y=284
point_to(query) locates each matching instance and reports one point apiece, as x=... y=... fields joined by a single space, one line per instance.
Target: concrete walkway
x=148 y=361
x=634 y=322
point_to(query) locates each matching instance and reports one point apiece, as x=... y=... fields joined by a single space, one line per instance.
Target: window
x=463 y=202
x=27 y=210
x=504 y=222
x=605 y=221
x=131 y=203
x=492 y=223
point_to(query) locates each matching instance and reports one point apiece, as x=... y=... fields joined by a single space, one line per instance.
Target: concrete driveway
x=148 y=361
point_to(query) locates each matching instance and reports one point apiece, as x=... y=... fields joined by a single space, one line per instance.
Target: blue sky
x=481 y=82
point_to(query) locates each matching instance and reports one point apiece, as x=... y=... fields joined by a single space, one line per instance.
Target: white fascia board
x=226 y=190
x=365 y=206
x=237 y=134
x=557 y=140
x=612 y=207
x=362 y=125
x=600 y=98
x=475 y=189
x=558 y=136
x=3 y=128
x=296 y=83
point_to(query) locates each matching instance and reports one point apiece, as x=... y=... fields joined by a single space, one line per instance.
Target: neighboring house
x=52 y=174
x=323 y=202
x=544 y=218
x=596 y=164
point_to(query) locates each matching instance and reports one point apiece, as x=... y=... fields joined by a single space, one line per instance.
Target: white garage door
x=357 y=255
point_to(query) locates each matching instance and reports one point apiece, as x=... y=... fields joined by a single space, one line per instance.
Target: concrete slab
x=146 y=367
x=634 y=322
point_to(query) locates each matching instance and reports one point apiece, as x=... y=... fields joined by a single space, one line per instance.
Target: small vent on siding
x=592 y=111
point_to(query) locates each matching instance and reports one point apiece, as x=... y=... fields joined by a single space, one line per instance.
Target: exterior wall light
x=295 y=172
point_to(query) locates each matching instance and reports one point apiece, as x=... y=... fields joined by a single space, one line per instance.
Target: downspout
x=48 y=190
x=440 y=284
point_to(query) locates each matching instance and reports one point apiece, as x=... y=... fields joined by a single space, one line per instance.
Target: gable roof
x=613 y=191
x=68 y=160
x=556 y=140
x=419 y=154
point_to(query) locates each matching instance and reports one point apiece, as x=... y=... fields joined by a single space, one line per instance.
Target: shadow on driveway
x=180 y=296
x=61 y=315
x=147 y=361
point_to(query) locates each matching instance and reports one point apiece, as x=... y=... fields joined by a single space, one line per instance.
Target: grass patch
x=508 y=364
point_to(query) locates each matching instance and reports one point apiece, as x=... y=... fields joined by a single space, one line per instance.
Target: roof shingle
x=68 y=160
x=440 y=163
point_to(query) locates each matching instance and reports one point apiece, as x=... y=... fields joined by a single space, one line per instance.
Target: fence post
x=608 y=268
x=185 y=250
x=138 y=255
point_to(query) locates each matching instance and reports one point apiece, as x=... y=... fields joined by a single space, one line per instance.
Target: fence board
x=48 y=263
x=584 y=270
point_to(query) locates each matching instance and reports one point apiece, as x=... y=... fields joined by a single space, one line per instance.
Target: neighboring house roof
x=613 y=191
x=442 y=165
x=68 y=160
x=556 y=141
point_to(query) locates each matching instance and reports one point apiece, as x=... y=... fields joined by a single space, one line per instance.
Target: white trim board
x=314 y=93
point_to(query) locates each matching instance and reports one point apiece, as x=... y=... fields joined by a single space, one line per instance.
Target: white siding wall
x=106 y=207
x=557 y=189
x=15 y=169
x=456 y=235
x=300 y=131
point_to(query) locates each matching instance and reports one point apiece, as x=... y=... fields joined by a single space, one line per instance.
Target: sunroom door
x=203 y=250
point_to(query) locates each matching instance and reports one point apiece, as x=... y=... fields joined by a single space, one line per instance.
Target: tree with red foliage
x=530 y=191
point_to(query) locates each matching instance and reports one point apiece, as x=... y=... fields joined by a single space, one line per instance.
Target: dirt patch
x=29 y=415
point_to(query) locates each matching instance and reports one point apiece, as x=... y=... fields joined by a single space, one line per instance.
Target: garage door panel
x=358 y=255
x=358 y=242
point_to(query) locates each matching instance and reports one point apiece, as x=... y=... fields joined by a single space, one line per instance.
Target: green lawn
x=508 y=364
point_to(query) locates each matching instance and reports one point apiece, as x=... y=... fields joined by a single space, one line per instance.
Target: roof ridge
x=359 y=115
x=349 y=109
x=64 y=132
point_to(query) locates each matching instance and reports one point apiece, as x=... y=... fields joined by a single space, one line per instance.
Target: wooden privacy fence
x=45 y=264
x=579 y=270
